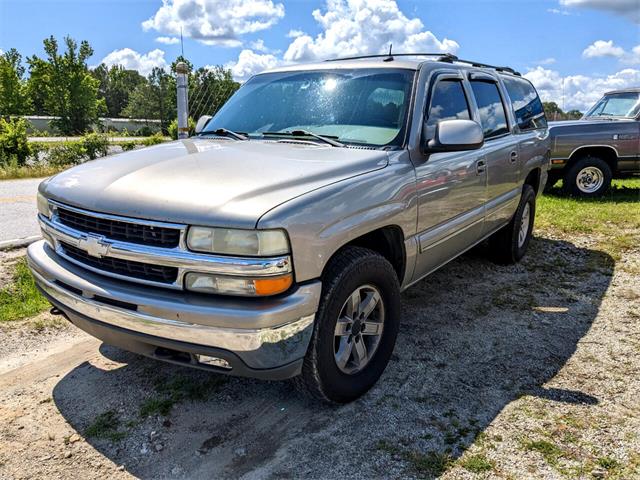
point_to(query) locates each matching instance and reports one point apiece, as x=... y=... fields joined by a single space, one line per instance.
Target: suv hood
x=215 y=182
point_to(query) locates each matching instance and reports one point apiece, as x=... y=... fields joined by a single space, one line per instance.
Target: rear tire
x=509 y=244
x=332 y=371
x=589 y=177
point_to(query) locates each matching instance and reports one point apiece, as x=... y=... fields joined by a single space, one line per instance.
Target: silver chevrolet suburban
x=275 y=243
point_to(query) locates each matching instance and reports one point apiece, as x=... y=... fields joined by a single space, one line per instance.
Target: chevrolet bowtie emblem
x=94 y=246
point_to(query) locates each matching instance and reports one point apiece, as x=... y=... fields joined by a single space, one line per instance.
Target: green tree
x=13 y=91
x=116 y=85
x=209 y=89
x=65 y=87
x=154 y=99
x=574 y=114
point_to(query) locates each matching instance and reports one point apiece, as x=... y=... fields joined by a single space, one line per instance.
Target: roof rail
x=441 y=57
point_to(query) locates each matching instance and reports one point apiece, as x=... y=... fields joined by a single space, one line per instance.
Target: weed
x=477 y=464
x=20 y=298
x=105 y=426
x=549 y=451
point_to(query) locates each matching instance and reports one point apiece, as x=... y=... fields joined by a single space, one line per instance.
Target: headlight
x=224 y=285
x=43 y=206
x=225 y=241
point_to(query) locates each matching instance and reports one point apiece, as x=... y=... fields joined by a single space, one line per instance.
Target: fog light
x=224 y=285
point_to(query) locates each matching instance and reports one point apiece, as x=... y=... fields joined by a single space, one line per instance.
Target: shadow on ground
x=619 y=192
x=474 y=337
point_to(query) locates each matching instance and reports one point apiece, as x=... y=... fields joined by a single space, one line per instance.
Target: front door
x=450 y=185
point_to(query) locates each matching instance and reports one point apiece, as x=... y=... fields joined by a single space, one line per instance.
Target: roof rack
x=441 y=57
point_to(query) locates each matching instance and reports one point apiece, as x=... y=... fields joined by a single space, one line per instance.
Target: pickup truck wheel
x=588 y=177
x=355 y=328
x=509 y=244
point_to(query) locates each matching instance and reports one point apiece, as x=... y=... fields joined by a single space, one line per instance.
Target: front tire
x=588 y=177
x=355 y=328
x=509 y=244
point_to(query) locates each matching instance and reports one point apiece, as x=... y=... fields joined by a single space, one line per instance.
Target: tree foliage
x=154 y=99
x=554 y=112
x=13 y=93
x=116 y=85
x=64 y=87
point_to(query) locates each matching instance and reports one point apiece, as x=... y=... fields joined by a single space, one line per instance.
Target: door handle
x=513 y=157
x=481 y=167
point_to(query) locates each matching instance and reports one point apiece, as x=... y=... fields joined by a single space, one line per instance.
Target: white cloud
x=628 y=8
x=250 y=63
x=579 y=91
x=168 y=40
x=133 y=60
x=352 y=27
x=295 y=33
x=546 y=61
x=557 y=11
x=633 y=57
x=602 y=48
x=215 y=22
x=259 y=46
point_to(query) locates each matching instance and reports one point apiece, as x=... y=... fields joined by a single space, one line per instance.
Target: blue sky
x=585 y=44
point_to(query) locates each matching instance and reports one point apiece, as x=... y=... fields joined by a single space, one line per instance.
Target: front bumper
x=257 y=337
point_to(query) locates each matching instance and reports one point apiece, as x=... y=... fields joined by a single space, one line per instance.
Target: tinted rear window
x=526 y=104
x=492 y=113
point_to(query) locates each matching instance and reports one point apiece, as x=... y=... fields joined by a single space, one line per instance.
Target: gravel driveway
x=529 y=371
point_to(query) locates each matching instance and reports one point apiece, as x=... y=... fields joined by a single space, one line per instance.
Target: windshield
x=353 y=106
x=617 y=105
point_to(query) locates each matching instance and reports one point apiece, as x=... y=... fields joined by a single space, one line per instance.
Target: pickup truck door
x=451 y=186
x=501 y=150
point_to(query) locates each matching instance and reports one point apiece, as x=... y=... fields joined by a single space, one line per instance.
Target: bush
x=145 y=131
x=66 y=154
x=173 y=128
x=13 y=141
x=154 y=139
x=95 y=145
x=127 y=146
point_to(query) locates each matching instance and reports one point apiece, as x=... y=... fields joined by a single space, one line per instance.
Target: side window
x=448 y=102
x=526 y=103
x=493 y=117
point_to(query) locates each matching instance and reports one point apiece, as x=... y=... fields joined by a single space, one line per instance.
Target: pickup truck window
x=624 y=104
x=359 y=106
x=526 y=104
x=493 y=116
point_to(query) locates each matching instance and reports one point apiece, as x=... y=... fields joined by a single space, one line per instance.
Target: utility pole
x=182 y=71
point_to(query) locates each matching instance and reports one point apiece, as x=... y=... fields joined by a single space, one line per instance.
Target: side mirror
x=202 y=122
x=456 y=136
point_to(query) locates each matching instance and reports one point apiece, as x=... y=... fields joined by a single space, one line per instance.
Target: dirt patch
x=523 y=371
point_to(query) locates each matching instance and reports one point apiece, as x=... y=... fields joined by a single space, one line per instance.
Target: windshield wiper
x=226 y=133
x=306 y=133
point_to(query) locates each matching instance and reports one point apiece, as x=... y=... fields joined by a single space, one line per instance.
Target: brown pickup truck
x=587 y=153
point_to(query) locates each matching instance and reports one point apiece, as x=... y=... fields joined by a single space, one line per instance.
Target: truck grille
x=123 y=231
x=143 y=271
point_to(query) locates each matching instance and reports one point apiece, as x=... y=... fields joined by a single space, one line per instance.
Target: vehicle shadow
x=474 y=337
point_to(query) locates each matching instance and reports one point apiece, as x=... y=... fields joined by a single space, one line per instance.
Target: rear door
x=500 y=150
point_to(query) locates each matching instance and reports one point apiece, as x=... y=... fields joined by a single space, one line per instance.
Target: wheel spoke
x=344 y=353
x=353 y=304
x=372 y=328
x=369 y=304
x=361 y=351
x=343 y=327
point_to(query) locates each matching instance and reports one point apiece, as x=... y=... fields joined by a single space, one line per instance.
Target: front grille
x=143 y=271
x=123 y=231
